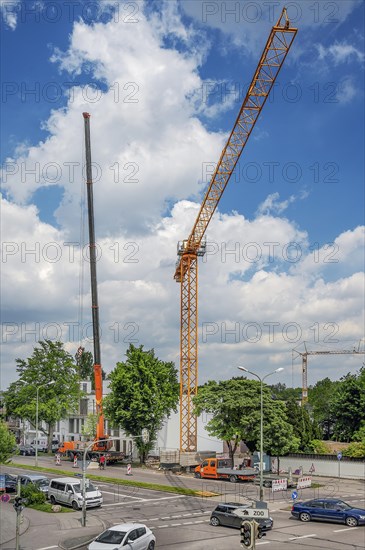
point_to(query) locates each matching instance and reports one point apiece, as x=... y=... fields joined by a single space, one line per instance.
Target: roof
x=33 y=477
x=66 y=479
x=126 y=526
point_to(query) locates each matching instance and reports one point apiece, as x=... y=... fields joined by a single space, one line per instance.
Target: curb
x=88 y=538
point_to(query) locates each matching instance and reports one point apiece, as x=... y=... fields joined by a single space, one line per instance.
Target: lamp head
x=242 y=368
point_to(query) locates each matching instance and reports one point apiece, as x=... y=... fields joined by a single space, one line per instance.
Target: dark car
x=41 y=482
x=26 y=450
x=10 y=483
x=329 y=509
x=224 y=514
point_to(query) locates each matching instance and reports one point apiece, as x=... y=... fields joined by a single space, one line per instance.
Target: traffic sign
x=5 y=497
x=294 y=495
x=252 y=512
x=145 y=435
x=339 y=455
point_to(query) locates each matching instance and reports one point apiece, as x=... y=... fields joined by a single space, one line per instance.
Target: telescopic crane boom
x=100 y=433
x=186 y=273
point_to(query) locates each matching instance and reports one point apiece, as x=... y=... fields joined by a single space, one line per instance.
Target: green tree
x=7 y=443
x=303 y=427
x=89 y=428
x=48 y=363
x=85 y=365
x=348 y=405
x=280 y=391
x=235 y=408
x=320 y=399
x=144 y=391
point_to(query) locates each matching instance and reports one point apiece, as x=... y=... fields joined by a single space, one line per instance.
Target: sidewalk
x=42 y=529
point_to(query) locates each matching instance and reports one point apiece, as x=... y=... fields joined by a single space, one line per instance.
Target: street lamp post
x=36 y=418
x=261 y=380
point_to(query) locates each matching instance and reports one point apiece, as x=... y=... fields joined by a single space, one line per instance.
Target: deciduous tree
x=7 y=443
x=144 y=391
x=52 y=370
x=235 y=408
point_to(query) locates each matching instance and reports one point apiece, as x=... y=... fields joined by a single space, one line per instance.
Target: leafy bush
x=33 y=495
x=319 y=447
x=355 y=449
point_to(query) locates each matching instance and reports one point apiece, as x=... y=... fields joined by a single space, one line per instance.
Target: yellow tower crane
x=277 y=46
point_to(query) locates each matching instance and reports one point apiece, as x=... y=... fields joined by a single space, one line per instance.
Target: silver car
x=41 y=482
x=126 y=536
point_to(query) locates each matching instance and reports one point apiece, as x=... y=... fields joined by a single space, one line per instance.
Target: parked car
x=10 y=483
x=118 y=536
x=67 y=490
x=329 y=509
x=40 y=444
x=224 y=514
x=41 y=482
x=26 y=450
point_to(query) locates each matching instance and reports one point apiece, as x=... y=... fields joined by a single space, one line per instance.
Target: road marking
x=144 y=500
x=263 y=542
x=48 y=547
x=175 y=524
x=119 y=495
x=346 y=529
x=302 y=537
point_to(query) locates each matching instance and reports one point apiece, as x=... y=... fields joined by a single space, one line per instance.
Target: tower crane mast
x=273 y=56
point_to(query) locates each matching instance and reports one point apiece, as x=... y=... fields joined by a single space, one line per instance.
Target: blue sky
x=164 y=82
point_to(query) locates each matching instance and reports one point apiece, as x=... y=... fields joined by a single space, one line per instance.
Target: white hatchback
x=126 y=536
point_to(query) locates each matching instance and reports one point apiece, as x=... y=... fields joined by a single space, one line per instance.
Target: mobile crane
x=101 y=443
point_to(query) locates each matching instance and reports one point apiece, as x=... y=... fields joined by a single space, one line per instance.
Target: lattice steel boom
x=277 y=46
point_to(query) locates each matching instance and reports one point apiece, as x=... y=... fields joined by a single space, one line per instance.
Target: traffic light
x=247 y=534
x=18 y=504
x=259 y=531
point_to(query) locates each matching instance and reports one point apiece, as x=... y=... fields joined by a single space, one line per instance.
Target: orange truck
x=217 y=468
x=72 y=449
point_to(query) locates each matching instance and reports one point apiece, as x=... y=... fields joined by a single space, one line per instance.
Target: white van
x=40 y=444
x=67 y=490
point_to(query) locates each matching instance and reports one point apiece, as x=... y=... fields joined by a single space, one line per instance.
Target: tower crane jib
x=273 y=56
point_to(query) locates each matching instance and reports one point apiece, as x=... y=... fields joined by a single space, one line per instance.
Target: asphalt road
x=182 y=523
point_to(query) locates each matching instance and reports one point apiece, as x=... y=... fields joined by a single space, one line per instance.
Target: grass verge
x=117 y=481
x=46 y=507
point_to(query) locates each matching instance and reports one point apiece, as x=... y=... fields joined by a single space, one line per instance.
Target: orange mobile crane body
x=186 y=273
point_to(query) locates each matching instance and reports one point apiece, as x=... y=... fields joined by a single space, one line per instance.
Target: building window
x=71 y=425
x=83 y=406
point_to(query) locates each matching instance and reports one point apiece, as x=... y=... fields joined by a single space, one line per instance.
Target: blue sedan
x=329 y=509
